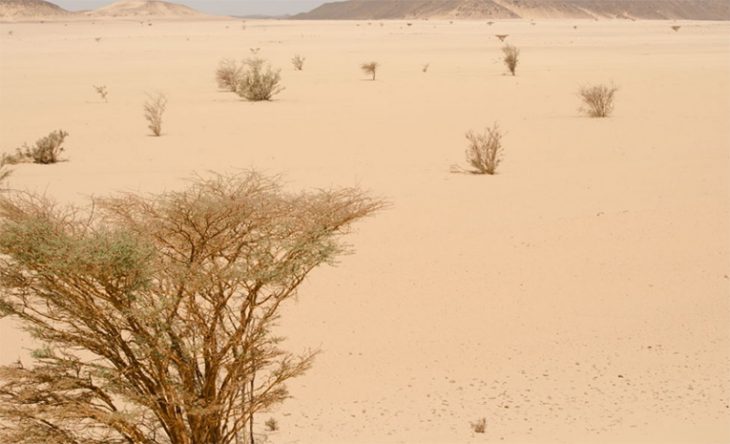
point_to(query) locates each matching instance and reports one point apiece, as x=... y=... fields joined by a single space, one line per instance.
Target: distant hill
x=528 y=9
x=22 y=9
x=145 y=8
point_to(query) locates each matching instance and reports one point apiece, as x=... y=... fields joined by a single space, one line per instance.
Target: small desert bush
x=102 y=91
x=676 y=28
x=45 y=151
x=511 y=56
x=479 y=426
x=298 y=62
x=501 y=37
x=484 y=152
x=258 y=82
x=154 y=108
x=227 y=75
x=598 y=100
x=271 y=425
x=425 y=67
x=370 y=68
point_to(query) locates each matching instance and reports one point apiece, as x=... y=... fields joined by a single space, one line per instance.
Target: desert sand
x=580 y=295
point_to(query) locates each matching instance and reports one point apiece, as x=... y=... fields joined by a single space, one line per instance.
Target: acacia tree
x=155 y=313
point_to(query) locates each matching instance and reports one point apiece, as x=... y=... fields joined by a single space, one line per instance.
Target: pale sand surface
x=581 y=295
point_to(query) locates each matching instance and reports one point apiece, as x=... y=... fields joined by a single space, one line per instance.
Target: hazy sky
x=224 y=7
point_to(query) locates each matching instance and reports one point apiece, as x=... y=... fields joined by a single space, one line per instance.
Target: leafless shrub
x=298 y=62
x=156 y=315
x=154 y=108
x=4 y=172
x=511 y=57
x=676 y=28
x=254 y=51
x=228 y=75
x=102 y=91
x=501 y=37
x=598 y=100
x=484 y=153
x=370 y=68
x=479 y=426
x=258 y=83
x=46 y=150
x=425 y=67
x=97 y=39
x=490 y=23
x=272 y=425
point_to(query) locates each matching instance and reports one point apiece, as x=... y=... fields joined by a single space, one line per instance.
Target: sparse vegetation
x=46 y=150
x=155 y=315
x=258 y=82
x=501 y=37
x=298 y=62
x=425 y=67
x=676 y=28
x=511 y=57
x=102 y=91
x=598 y=100
x=479 y=426
x=154 y=108
x=228 y=75
x=272 y=425
x=97 y=39
x=370 y=69
x=484 y=152
x=254 y=51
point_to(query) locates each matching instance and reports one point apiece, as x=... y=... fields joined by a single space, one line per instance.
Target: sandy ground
x=581 y=295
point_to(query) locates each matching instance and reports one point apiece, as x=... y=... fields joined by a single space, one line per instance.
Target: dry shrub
x=598 y=100
x=45 y=151
x=272 y=425
x=370 y=68
x=511 y=56
x=484 y=153
x=676 y=28
x=258 y=82
x=102 y=91
x=501 y=37
x=227 y=75
x=425 y=67
x=298 y=62
x=479 y=426
x=154 y=108
x=126 y=297
x=4 y=172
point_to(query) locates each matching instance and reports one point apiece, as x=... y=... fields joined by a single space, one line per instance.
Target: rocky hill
x=528 y=9
x=145 y=8
x=25 y=9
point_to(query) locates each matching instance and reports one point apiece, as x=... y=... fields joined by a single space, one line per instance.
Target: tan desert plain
x=579 y=295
